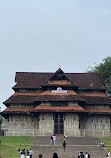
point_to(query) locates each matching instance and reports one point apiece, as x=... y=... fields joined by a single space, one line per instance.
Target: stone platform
x=42 y=145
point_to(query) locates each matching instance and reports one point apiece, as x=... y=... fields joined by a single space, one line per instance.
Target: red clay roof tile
x=96 y=100
x=94 y=94
x=99 y=110
x=59 y=108
x=36 y=80
x=18 y=109
x=29 y=99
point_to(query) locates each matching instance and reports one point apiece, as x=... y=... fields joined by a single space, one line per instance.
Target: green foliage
x=1 y=118
x=104 y=68
x=107 y=142
x=16 y=140
x=9 y=145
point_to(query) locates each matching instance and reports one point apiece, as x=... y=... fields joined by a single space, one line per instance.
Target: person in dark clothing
x=27 y=152
x=81 y=155
x=55 y=155
x=40 y=155
x=64 y=145
x=23 y=153
x=19 y=151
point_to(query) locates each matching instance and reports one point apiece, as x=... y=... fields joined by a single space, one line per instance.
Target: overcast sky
x=41 y=35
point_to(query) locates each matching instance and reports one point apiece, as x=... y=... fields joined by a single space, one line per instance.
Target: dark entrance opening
x=58 y=123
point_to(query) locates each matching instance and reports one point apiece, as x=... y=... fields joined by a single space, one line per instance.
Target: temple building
x=43 y=104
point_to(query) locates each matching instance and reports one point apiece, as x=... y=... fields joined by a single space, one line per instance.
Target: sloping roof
x=90 y=100
x=44 y=109
x=59 y=108
x=99 y=110
x=93 y=94
x=59 y=98
x=36 y=80
x=24 y=98
x=60 y=72
x=31 y=99
x=16 y=110
x=20 y=99
x=56 y=109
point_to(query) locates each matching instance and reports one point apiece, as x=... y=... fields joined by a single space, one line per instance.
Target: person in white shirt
x=65 y=136
x=30 y=153
x=54 y=139
x=87 y=155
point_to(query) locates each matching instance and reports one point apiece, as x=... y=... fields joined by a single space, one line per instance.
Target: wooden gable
x=59 y=75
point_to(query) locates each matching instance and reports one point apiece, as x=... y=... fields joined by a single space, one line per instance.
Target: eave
x=99 y=111
x=58 y=109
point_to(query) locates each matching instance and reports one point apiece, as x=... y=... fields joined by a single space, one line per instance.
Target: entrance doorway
x=58 y=123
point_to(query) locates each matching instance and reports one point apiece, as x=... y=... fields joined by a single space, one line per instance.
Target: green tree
x=104 y=68
x=1 y=118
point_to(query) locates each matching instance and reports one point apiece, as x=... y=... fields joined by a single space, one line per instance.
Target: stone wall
x=97 y=122
x=4 y=127
x=95 y=126
x=22 y=125
x=74 y=125
x=71 y=124
x=46 y=124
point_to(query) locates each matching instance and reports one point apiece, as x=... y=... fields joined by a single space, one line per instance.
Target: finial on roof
x=59 y=67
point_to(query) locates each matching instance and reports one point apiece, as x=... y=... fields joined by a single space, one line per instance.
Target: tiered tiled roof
x=18 y=99
x=31 y=99
x=59 y=98
x=87 y=89
x=17 y=110
x=37 y=80
x=95 y=100
x=45 y=109
x=93 y=94
x=59 y=108
x=56 y=109
x=99 y=110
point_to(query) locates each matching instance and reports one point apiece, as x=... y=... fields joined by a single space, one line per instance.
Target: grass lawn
x=107 y=142
x=9 y=145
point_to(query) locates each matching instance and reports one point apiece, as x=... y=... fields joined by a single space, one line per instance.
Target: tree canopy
x=1 y=118
x=104 y=68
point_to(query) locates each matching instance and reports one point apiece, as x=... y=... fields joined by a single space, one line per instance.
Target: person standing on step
x=54 y=139
x=51 y=139
x=108 y=155
x=65 y=136
x=55 y=155
x=64 y=145
x=30 y=153
x=81 y=155
x=87 y=155
x=40 y=155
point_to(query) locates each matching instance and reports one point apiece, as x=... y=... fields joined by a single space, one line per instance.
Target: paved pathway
x=43 y=146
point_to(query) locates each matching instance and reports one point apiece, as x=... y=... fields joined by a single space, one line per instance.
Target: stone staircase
x=42 y=145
